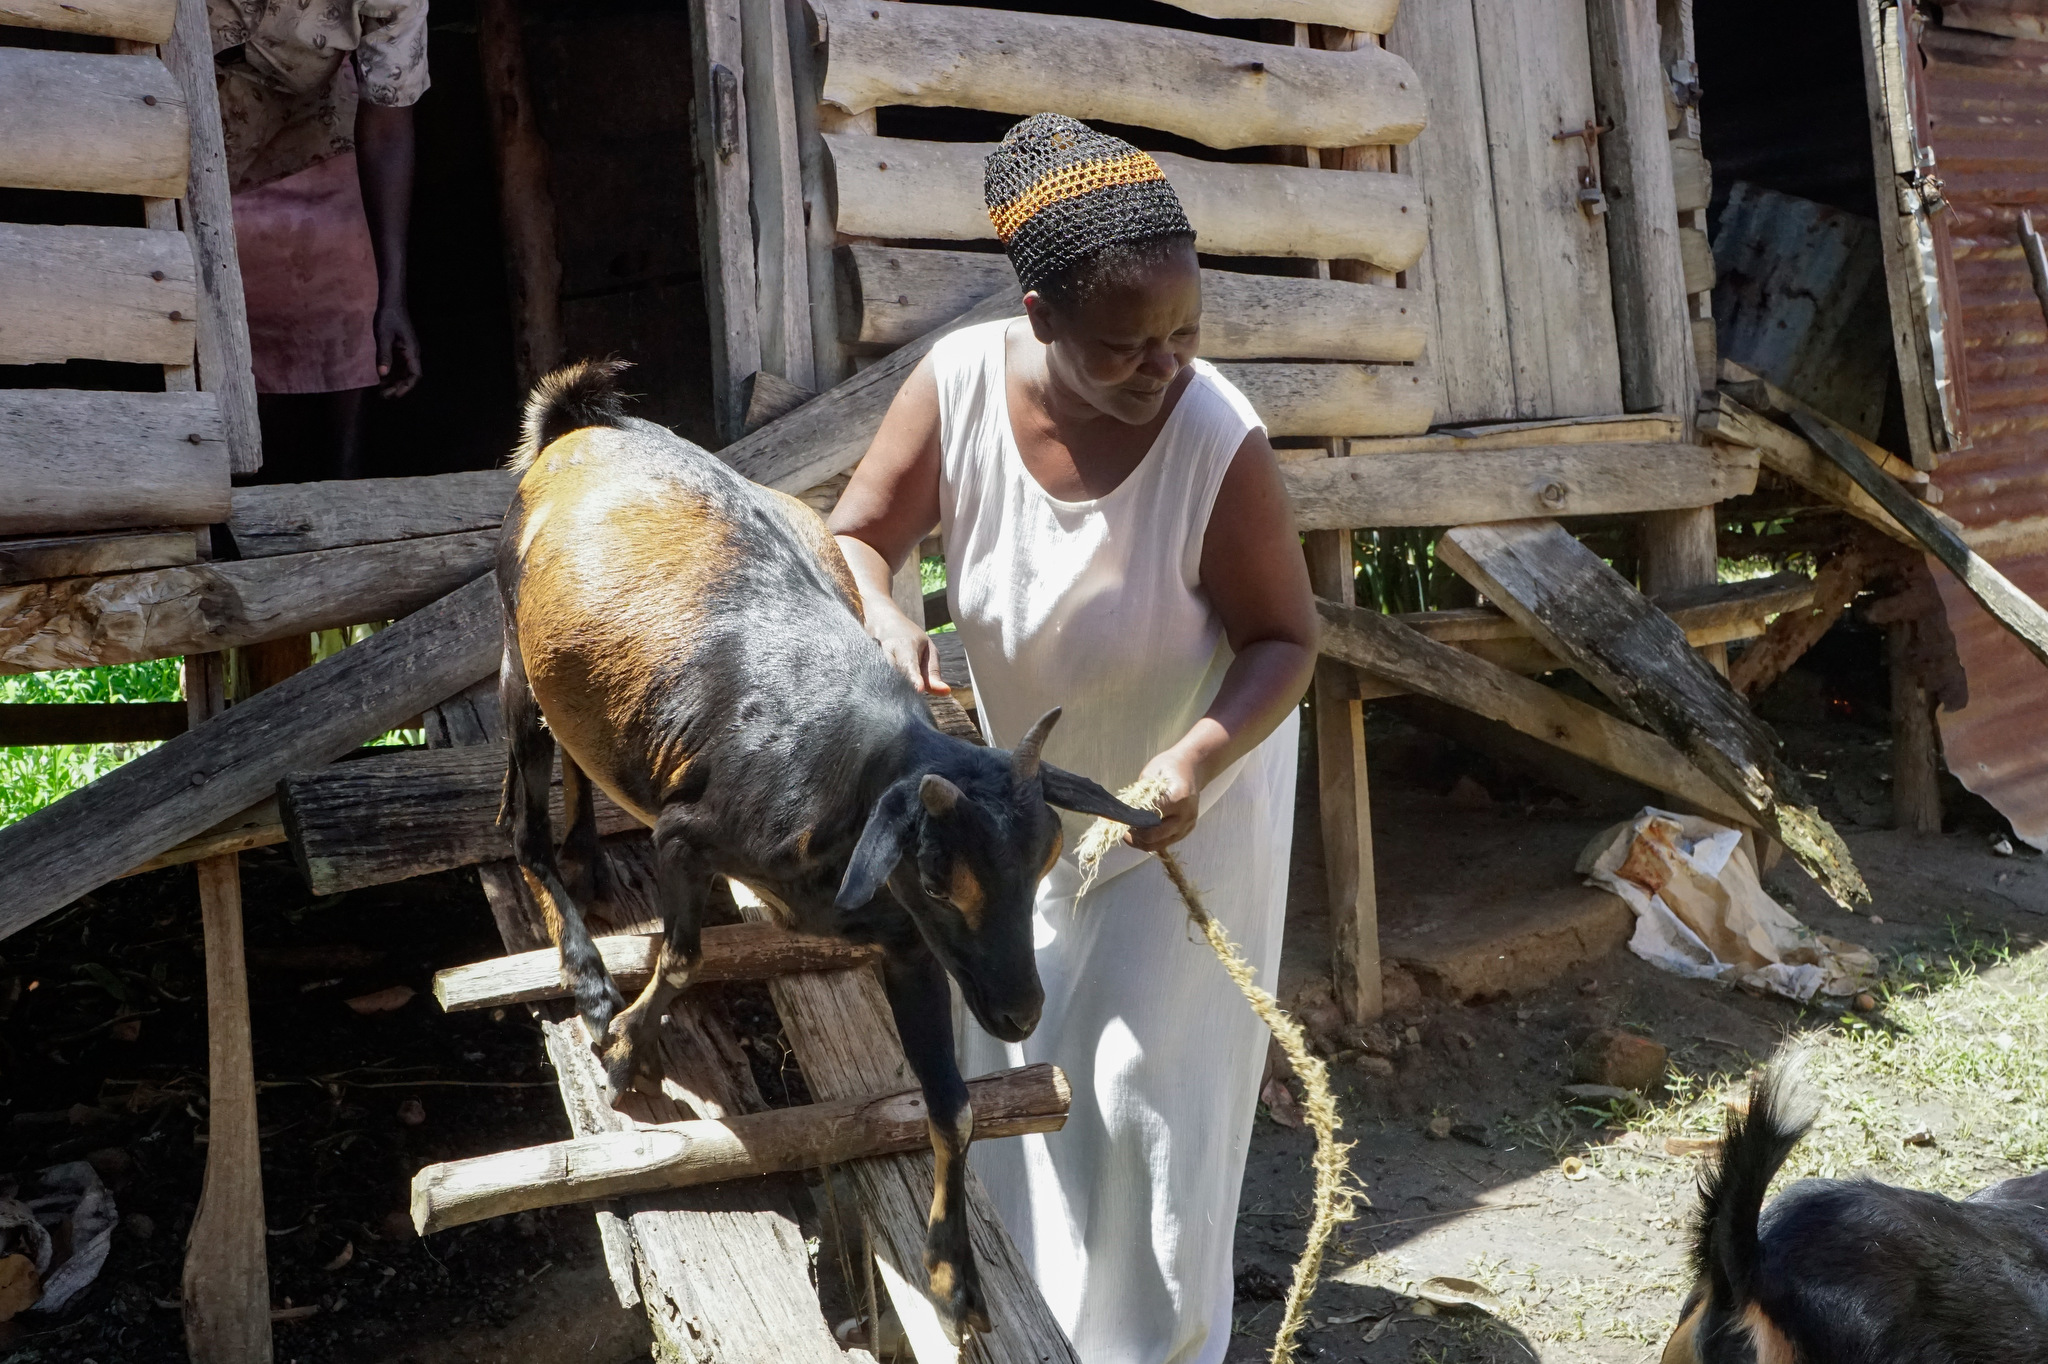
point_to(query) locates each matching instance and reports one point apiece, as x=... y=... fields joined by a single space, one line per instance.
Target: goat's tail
x=1732 y=1194
x=574 y=396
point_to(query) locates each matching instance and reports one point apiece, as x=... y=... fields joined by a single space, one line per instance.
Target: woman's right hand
x=910 y=650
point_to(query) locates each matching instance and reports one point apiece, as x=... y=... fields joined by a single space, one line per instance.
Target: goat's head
x=964 y=849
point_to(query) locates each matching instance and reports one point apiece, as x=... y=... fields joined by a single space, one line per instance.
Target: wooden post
x=227 y=1273
x=1679 y=550
x=725 y=228
x=1916 y=756
x=774 y=168
x=1342 y=796
x=526 y=201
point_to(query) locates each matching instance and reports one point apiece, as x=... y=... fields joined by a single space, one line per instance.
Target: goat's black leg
x=529 y=770
x=923 y=1008
x=682 y=878
x=584 y=870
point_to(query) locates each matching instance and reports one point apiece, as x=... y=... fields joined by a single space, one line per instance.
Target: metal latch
x=1592 y=202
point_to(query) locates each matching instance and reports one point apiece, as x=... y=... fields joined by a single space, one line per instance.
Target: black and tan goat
x=693 y=643
x=1857 y=1272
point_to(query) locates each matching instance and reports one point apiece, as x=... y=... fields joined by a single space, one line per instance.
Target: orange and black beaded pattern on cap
x=1058 y=191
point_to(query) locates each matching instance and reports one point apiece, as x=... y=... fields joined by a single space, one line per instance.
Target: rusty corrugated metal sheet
x=1987 y=119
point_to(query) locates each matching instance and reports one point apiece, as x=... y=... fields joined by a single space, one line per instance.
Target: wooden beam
x=97 y=293
x=766 y=395
x=72 y=556
x=775 y=188
x=1647 y=428
x=256 y=827
x=2020 y=614
x=144 y=21
x=74 y=460
x=526 y=198
x=1916 y=747
x=838 y=1024
x=88 y=121
x=225 y=367
x=1336 y=399
x=1581 y=610
x=725 y=228
x=1762 y=396
x=1498 y=485
x=302 y=518
x=170 y=612
x=890 y=295
x=1223 y=92
x=1363 y=16
x=1009 y=1103
x=1788 y=453
x=900 y=188
x=1385 y=648
x=1344 y=797
x=830 y=433
x=30 y=724
x=1652 y=330
x=731 y=952
x=1716 y=612
x=1794 y=632
x=171 y=793
x=387 y=818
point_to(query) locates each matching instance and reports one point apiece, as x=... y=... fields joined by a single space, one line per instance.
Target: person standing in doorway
x=1117 y=541
x=316 y=115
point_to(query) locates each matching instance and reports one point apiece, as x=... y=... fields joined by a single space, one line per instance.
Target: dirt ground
x=102 y=1058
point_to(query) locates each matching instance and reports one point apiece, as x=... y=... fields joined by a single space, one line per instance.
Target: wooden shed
x=1456 y=253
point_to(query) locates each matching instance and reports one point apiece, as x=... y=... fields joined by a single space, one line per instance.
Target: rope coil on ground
x=1336 y=1195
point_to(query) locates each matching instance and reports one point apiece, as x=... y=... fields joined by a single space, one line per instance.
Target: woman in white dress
x=1118 y=543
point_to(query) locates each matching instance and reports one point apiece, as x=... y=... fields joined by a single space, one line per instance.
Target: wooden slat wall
x=94 y=122
x=146 y=21
x=98 y=293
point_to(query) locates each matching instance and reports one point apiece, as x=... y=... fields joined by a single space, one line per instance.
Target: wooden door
x=1517 y=267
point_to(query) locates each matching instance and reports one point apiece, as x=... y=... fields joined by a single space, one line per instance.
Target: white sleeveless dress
x=1126 y=1216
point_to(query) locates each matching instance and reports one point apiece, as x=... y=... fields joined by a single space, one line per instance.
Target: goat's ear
x=890 y=823
x=1070 y=792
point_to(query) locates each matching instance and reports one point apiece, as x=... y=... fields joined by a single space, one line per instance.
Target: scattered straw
x=1336 y=1195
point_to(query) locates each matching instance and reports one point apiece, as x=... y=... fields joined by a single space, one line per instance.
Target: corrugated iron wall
x=1988 y=106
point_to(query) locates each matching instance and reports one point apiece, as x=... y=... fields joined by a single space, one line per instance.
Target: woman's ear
x=1040 y=314
x=889 y=825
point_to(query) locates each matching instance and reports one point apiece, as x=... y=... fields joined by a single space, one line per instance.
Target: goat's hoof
x=956 y=1289
x=623 y=1070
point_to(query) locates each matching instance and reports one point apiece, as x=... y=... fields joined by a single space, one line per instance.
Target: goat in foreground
x=693 y=642
x=1857 y=1272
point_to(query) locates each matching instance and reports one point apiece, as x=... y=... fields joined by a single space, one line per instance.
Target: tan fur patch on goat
x=1764 y=1336
x=964 y=890
x=1683 y=1347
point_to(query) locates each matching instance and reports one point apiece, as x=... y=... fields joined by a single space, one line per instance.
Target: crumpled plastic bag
x=1702 y=912
x=72 y=1194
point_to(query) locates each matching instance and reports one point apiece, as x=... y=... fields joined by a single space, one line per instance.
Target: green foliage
x=1398 y=570
x=31 y=778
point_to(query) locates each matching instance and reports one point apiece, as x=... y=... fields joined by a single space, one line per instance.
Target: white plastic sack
x=1702 y=912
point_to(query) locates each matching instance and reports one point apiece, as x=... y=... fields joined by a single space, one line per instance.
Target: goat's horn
x=1024 y=757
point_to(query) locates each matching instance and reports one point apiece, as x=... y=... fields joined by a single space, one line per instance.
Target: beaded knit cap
x=1058 y=191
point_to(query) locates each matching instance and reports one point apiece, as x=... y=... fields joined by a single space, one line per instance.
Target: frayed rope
x=1336 y=1195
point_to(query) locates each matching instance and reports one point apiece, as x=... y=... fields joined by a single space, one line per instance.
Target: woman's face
x=1119 y=350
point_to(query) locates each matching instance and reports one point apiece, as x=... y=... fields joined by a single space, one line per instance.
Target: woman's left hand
x=1178 y=810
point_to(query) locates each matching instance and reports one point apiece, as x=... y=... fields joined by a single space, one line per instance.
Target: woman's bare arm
x=885 y=512
x=1253 y=571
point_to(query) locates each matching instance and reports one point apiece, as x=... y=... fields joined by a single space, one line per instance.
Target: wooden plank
x=75 y=460
x=144 y=21
x=1762 y=396
x=767 y=395
x=1788 y=453
x=1337 y=399
x=755 y=951
x=1793 y=633
x=1696 y=256
x=1363 y=16
x=71 y=556
x=96 y=293
x=33 y=723
x=1009 y=1103
x=839 y=1025
x=1499 y=485
x=1536 y=65
x=1692 y=175
x=226 y=1276
x=256 y=827
x=890 y=295
x=387 y=818
x=89 y=121
x=1459 y=279
x=1649 y=428
x=1344 y=798
x=526 y=199
x=1916 y=750
x=829 y=434
x=170 y=612
x=1723 y=610
x=209 y=219
x=1384 y=648
x=775 y=184
x=1582 y=610
x=1652 y=330
x=300 y=518
x=1223 y=92
x=899 y=188
x=2020 y=614
x=171 y=793
x=725 y=230
x=830 y=361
